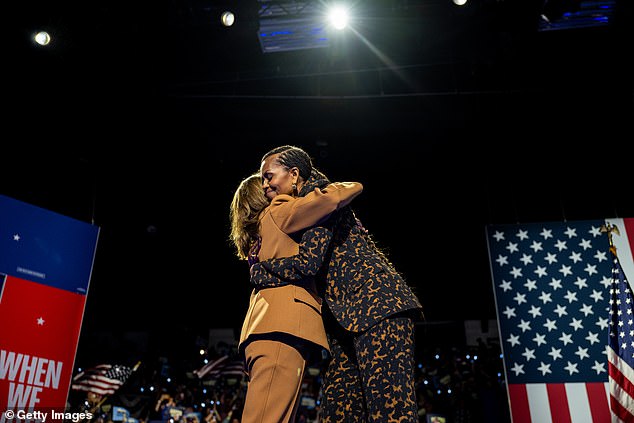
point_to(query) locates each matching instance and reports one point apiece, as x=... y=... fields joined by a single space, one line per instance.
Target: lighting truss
x=291 y=25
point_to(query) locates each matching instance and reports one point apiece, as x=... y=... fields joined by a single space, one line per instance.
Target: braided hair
x=291 y=156
x=344 y=220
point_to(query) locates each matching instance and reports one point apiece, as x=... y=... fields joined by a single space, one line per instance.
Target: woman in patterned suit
x=369 y=317
x=283 y=326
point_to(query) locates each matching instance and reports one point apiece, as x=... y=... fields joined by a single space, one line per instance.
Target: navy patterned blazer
x=358 y=283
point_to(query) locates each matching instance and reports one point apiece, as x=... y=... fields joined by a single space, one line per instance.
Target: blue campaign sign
x=46 y=247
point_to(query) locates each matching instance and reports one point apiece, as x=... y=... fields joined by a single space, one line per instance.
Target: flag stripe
x=620 y=399
x=94 y=389
x=578 y=405
x=519 y=403
x=538 y=403
x=89 y=381
x=623 y=400
x=620 y=411
x=558 y=401
x=598 y=401
x=210 y=366
x=103 y=379
x=614 y=370
x=223 y=366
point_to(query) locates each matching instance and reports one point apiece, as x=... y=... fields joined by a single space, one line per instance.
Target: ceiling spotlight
x=459 y=2
x=42 y=38
x=338 y=17
x=227 y=18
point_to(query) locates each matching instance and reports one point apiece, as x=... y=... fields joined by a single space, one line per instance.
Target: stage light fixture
x=569 y=14
x=338 y=17
x=227 y=18
x=42 y=38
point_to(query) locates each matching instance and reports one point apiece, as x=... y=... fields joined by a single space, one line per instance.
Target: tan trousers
x=275 y=373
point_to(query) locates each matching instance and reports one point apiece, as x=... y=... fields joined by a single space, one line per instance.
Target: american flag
x=223 y=366
x=103 y=379
x=552 y=289
x=621 y=343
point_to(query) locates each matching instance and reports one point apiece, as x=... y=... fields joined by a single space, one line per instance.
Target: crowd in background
x=455 y=384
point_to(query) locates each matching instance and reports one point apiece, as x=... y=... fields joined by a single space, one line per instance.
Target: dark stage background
x=145 y=129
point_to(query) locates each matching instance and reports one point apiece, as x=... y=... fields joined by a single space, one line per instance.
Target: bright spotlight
x=227 y=18
x=459 y=2
x=42 y=38
x=338 y=17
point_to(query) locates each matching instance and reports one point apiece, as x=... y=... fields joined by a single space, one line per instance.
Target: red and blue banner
x=46 y=260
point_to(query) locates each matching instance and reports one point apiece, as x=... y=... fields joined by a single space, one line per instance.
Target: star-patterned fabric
x=552 y=288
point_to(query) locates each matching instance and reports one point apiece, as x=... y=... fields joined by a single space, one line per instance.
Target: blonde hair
x=247 y=204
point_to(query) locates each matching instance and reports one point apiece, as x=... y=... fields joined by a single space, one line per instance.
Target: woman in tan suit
x=283 y=326
x=369 y=311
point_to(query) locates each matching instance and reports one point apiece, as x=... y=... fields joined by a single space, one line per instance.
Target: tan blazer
x=291 y=309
